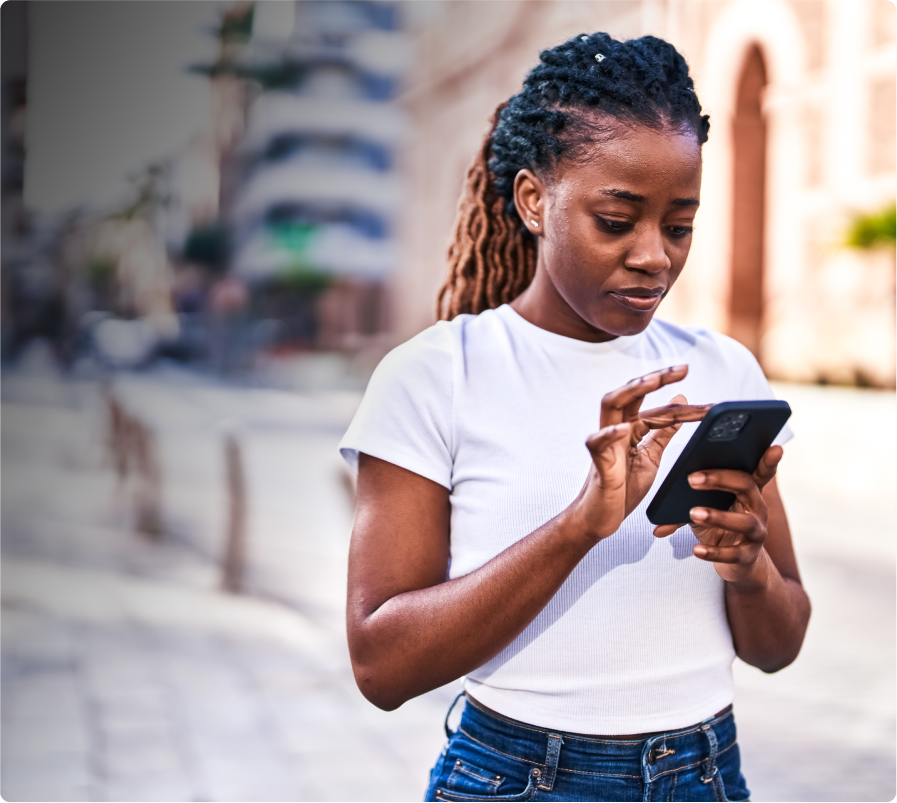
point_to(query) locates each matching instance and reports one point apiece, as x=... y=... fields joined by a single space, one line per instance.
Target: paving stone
x=153 y=786
x=33 y=736
x=140 y=757
x=69 y=770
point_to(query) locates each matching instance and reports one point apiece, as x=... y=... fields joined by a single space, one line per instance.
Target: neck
x=541 y=305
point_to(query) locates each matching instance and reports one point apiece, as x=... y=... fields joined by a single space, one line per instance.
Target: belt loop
x=551 y=761
x=711 y=771
x=448 y=732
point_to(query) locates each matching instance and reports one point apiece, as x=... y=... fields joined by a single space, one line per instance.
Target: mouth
x=640 y=299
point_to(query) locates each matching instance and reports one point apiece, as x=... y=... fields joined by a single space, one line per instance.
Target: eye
x=613 y=226
x=678 y=232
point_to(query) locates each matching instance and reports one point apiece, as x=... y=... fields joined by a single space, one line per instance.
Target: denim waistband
x=647 y=758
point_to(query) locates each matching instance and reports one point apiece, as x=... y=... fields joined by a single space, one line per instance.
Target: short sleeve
x=753 y=385
x=405 y=416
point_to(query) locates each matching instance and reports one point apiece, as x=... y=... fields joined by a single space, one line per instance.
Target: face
x=614 y=231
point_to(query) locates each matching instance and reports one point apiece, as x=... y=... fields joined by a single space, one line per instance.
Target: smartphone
x=733 y=435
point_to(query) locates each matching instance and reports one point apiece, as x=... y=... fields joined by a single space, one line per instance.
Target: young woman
x=505 y=463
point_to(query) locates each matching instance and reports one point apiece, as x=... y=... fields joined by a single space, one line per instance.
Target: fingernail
x=697 y=479
x=698 y=514
x=700 y=551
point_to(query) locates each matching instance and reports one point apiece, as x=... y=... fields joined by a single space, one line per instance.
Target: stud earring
x=534 y=222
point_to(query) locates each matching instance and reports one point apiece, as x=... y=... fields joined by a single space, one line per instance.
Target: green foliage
x=301 y=278
x=208 y=246
x=277 y=75
x=873 y=229
x=100 y=269
x=236 y=25
x=301 y=275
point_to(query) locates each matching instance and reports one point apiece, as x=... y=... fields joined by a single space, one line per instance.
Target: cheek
x=578 y=258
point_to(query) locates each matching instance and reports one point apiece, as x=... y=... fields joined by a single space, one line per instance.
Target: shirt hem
x=598 y=723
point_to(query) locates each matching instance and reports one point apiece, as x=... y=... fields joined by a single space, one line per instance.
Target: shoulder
x=700 y=343
x=431 y=348
x=439 y=347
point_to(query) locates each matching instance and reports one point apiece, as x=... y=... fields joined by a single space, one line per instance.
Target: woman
x=505 y=464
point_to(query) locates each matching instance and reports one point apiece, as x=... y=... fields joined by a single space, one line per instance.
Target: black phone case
x=742 y=452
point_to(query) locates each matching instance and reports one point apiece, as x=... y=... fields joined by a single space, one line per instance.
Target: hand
x=626 y=451
x=732 y=539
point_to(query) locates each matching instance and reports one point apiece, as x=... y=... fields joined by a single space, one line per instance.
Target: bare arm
x=409 y=629
x=770 y=611
x=750 y=547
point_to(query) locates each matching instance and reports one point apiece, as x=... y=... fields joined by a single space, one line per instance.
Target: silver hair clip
x=583 y=38
x=599 y=57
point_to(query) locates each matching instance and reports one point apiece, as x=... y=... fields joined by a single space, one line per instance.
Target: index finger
x=623 y=403
x=670 y=414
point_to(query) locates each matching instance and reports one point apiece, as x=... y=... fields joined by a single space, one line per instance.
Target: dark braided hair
x=645 y=81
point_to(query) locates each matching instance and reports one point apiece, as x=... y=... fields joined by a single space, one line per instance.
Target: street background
x=217 y=220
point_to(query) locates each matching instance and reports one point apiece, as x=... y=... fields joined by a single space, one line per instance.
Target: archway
x=748 y=204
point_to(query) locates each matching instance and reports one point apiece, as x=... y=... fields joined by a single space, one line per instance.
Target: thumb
x=608 y=447
x=769 y=463
x=663 y=530
x=657 y=439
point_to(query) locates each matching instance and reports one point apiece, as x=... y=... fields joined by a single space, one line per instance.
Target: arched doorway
x=749 y=189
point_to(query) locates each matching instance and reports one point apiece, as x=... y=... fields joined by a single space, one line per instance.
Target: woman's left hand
x=731 y=539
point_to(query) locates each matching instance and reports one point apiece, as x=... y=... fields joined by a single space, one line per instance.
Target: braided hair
x=645 y=81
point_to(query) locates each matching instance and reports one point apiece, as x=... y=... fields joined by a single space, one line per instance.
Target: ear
x=529 y=198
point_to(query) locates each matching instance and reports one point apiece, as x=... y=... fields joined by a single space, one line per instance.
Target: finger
x=624 y=402
x=674 y=413
x=768 y=465
x=663 y=530
x=658 y=440
x=739 y=483
x=608 y=445
x=744 y=524
x=722 y=554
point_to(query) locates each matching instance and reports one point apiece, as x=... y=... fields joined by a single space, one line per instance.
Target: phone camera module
x=728 y=426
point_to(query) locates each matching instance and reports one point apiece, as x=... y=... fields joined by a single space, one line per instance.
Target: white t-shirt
x=497 y=410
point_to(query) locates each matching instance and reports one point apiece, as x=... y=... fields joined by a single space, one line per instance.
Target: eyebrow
x=625 y=195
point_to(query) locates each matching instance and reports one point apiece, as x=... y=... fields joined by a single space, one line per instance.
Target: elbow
x=378 y=678
x=771 y=667
x=371 y=684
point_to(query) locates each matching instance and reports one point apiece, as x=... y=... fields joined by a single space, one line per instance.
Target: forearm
x=768 y=615
x=419 y=640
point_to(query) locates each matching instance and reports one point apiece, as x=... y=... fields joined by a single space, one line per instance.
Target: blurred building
x=801 y=95
x=309 y=193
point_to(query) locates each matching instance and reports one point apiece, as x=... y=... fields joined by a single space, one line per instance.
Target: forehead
x=643 y=160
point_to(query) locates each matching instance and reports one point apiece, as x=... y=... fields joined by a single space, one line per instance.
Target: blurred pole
x=235 y=546
x=149 y=481
x=131 y=447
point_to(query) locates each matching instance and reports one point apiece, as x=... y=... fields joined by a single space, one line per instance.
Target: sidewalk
x=127 y=674
x=127 y=689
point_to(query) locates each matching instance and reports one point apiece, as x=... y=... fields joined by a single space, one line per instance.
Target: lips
x=640 y=299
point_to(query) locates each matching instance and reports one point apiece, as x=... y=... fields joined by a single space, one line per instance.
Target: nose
x=647 y=252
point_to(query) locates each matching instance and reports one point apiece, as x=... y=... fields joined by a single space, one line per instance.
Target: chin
x=624 y=325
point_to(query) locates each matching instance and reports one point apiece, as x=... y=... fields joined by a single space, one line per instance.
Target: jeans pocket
x=527 y=794
x=473 y=772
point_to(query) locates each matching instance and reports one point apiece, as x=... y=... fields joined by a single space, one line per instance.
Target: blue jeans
x=491 y=757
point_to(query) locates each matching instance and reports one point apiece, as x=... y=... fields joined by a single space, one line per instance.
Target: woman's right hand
x=626 y=451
